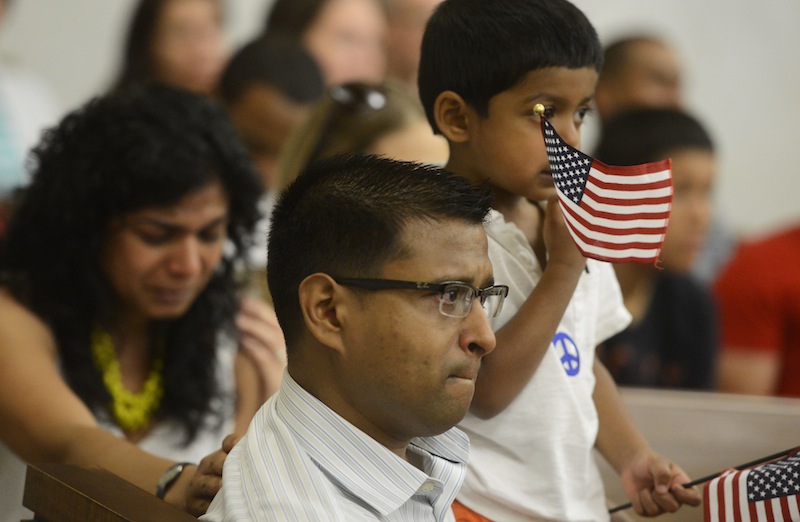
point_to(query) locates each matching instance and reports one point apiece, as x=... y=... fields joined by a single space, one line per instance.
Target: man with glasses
x=375 y=267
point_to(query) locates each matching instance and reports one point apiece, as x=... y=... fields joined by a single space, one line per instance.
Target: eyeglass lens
x=457 y=300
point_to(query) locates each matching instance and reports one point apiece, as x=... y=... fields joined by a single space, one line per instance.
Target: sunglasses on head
x=360 y=99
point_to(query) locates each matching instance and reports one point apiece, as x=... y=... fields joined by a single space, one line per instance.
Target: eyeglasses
x=455 y=297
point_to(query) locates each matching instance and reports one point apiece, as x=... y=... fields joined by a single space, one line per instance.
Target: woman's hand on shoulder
x=206 y=480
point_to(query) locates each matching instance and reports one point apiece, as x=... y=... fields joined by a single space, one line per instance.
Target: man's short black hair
x=273 y=61
x=649 y=134
x=345 y=215
x=480 y=48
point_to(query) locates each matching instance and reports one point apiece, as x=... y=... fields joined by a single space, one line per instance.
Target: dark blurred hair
x=617 y=53
x=278 y=62
x=647 y=134
x=147 y=148
x=345 y=216
x=138 y=64
x=480 y=48
x=292 y=17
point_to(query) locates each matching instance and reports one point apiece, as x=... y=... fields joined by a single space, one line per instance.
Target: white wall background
x=742 y=61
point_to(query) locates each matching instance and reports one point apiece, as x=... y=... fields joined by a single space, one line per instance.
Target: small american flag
x=616 y=214
x=767 y=493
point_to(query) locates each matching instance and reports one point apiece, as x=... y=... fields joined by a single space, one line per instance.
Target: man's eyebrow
x=489 y=281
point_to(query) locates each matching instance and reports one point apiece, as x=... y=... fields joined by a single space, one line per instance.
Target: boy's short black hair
x=345 y=216
x=480 y=48
x=650 y=134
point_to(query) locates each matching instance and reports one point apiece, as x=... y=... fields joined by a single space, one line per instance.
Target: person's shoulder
x=684 y=290
x=785 y=238
x=18 y=324
x=11 y=309
x=764 y=252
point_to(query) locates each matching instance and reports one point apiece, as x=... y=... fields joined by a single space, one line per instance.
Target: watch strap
x=169 y=477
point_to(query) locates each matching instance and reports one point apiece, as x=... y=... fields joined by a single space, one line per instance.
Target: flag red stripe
x=721 y=497
x=608 y=185
x=593 y=241
x=586 y=204
x=768 y=508
x=660 y=200
x=785 y=508
x=707 y=500
x=619 y=217
x=628 y=170
x=658 y=231
x=753 y=510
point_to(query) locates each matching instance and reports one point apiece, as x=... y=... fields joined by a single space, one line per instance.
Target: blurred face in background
x=407 y=19
x=693 y=172
x=348 y=41
x=189 y=48
x=264 y=119
x=652 y=77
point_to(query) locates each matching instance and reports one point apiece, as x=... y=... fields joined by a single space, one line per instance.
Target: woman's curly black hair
x=146 y=148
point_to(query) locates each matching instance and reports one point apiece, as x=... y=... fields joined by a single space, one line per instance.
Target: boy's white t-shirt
x=534 y=460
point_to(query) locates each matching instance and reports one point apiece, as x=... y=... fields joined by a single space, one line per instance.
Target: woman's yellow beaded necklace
x=131 y=411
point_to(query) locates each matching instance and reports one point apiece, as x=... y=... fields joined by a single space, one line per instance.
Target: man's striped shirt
x=300 y=461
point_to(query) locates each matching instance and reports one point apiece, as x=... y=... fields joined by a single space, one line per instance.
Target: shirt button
x=427 y=486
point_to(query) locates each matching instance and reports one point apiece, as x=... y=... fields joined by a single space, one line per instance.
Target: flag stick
x=717 y=474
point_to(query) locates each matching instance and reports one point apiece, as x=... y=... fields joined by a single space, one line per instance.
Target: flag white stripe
x=777 y=511
x=794 y=508
x=614 y=253
x=761 y=511
x=617 y=240
x=613 y=223
x=630 y=197
x=639 y=179
x=727 y=490
x=744 y=509
x=711 y=506
x=663 y=192
x=646 y=208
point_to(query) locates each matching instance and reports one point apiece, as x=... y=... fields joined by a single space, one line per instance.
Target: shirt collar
x=356 y=461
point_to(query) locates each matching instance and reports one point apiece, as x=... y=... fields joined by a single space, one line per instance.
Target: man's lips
x=467 y=374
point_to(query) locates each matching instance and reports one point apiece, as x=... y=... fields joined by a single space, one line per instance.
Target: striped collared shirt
x=300 y=461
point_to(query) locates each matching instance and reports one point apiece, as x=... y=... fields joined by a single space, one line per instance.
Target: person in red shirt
x=759 y=305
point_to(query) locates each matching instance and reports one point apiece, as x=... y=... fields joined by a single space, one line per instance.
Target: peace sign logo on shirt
x=568 y=353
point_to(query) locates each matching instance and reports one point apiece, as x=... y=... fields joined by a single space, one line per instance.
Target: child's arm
x=525 y=338
x=653 y=484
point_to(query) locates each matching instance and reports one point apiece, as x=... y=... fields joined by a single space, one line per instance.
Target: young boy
x=542 y=401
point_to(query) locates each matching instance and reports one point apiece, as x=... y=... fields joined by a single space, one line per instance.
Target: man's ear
x=321 y=302
x=452 y=116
